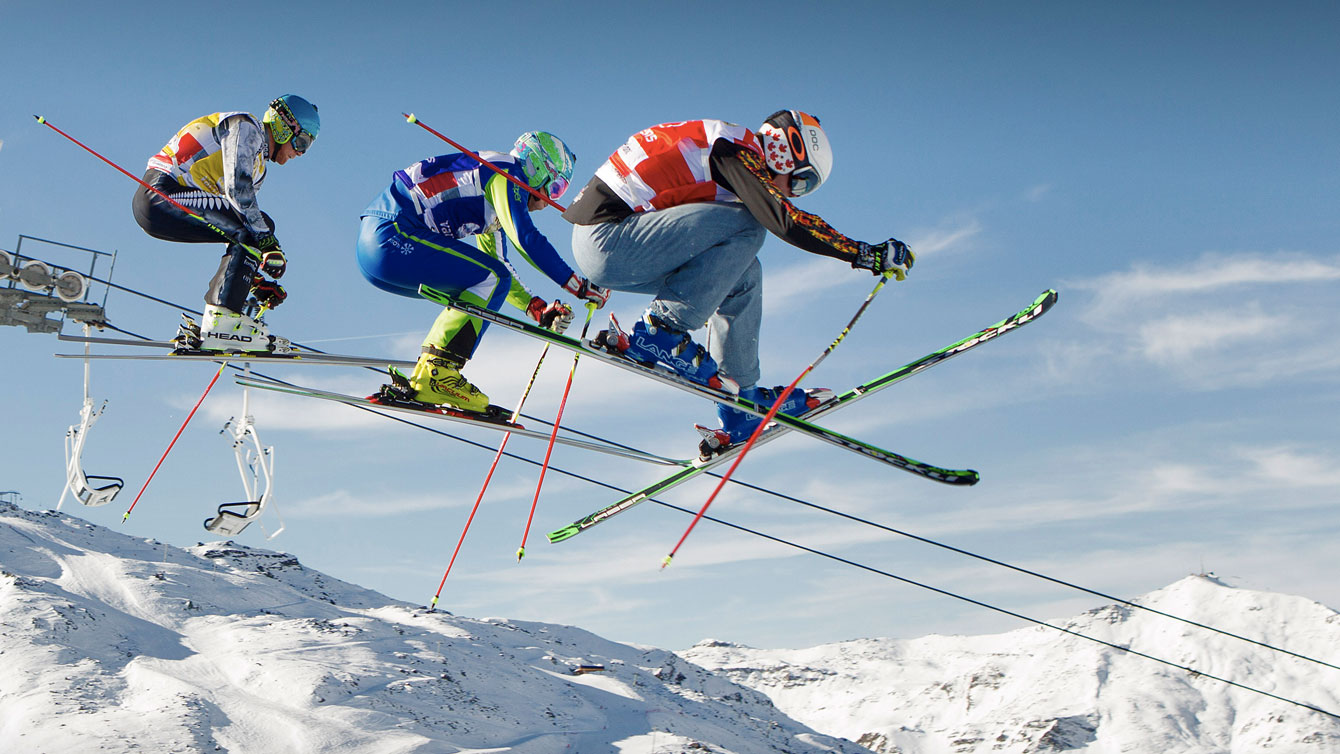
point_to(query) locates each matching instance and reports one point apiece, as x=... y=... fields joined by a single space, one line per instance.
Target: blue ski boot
x=737 y=425
x=654 y=340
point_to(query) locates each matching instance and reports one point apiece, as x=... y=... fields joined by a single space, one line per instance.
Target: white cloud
x=786 y=285
x=1271 y=468
x=1180 y=338
x=944 y=240
x=345 y=503
x=1117 y=294
x=1037 y=193
x=1222 y=320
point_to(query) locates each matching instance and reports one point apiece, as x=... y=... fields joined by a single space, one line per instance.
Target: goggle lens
x=557 y=187
x=804 y=180
x=301 y=142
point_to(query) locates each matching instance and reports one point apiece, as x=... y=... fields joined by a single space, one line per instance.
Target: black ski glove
x=892 y=256
x=268 y=293
x=273 y=261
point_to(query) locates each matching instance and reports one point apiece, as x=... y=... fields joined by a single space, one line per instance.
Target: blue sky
x=1170 y=169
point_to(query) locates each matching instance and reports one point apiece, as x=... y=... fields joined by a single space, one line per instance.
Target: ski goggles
x=557 y=187
x=301 y=141
x=291 y=131
x=804 y=180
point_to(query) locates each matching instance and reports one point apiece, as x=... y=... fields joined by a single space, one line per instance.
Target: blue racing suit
x=413 y=234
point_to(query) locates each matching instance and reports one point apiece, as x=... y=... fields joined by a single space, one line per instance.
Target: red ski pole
x=488 y=477
x=124 y=172
x=521 y=551
x=414 y=119
x=174 y=440
x=758 y=431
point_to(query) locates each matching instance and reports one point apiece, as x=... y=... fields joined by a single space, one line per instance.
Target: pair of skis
x=496 y=419
x=1040 y=306
x=593 y=349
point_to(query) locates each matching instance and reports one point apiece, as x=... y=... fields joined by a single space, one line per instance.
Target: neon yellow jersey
x=194 y=156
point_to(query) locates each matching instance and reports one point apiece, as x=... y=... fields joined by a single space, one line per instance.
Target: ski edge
x=312 y=359
x=351 y=400
x=301 y=356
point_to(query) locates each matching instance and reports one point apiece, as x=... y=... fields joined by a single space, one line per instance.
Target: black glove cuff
x=868 y=257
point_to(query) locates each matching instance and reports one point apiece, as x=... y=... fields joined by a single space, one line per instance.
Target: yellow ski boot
x=437 y=379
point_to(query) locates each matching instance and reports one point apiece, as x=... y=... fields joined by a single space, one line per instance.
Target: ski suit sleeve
x=242 y=145
x=517 y=295
x=745 y=174
x=509 y=203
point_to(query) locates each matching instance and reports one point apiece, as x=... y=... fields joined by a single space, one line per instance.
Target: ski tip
x=558 y=535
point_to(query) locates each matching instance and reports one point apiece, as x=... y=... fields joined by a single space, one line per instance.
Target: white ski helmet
x=794 y=144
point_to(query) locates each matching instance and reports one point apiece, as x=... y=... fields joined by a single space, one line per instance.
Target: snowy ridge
x=1038 y=690
x=116 y=644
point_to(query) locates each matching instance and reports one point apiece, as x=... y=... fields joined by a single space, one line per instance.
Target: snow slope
x=1039 y=690
x=115 y=644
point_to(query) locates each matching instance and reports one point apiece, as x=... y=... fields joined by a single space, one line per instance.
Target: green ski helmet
x=292 y=118
x=546 y=161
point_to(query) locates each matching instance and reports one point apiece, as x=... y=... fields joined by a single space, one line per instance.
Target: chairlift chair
x=255 y=463
x=77 y=482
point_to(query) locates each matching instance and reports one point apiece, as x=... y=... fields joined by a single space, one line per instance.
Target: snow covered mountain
x=1039 y=690
x=115 y=644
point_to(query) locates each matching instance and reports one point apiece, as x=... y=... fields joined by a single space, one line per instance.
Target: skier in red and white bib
x=680 y=211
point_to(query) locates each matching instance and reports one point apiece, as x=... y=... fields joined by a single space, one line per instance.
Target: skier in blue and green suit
x=413 y=233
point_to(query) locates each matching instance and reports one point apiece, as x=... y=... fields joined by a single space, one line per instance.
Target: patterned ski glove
x=268 y=293
x=587 y=291
x=891 y=256
x=556 y=316
x=273 y=261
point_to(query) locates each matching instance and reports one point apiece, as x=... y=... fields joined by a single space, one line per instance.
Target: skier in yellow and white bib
x=213 y=166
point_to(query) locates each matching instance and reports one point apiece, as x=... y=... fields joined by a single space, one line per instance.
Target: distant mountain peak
x=1038 y=690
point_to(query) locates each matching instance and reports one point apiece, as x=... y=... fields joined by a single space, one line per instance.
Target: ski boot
x=435 y=381
x=737 y=425
x=654 y=340
x=188 y=334
x=224 y=330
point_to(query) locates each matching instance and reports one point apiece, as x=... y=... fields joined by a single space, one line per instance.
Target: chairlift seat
x=233 y=518
x=94 y=496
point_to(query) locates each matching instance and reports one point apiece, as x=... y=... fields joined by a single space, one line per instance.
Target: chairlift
x=34 y=288
x=78 y=483
x=255 y=463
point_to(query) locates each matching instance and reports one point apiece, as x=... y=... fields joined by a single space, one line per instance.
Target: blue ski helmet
x=291 y=117
x=546 y=161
